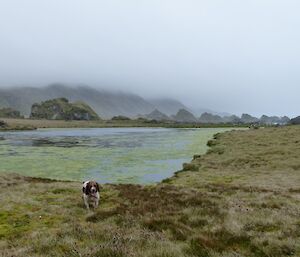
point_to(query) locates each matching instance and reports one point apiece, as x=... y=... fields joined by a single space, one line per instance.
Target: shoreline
x=31 y=124
x=183 y=166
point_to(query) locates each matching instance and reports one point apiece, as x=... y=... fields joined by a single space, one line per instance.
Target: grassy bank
x=32 y=123
x=9 y=126
x=240 y=199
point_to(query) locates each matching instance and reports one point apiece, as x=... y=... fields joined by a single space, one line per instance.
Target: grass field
x=242 y=198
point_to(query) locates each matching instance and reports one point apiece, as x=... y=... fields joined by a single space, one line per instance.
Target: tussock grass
x=241 y=201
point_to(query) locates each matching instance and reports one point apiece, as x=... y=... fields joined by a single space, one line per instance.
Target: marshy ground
x=242 y=198
x=29 y=124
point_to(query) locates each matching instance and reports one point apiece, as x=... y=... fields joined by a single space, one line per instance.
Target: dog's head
x=90 y=187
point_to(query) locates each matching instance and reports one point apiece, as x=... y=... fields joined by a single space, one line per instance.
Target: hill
x=295 y=121
x=184 y=116
x=157 y=115
x=61 y=109
x=247 y=118
x=168 y=106
x=210 y=118
x=105 y=103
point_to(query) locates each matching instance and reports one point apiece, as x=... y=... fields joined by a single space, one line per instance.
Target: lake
x=112 y=155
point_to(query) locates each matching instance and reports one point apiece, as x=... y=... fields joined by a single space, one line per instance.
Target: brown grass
x=20 y=124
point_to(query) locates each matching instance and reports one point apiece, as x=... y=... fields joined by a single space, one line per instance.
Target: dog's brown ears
x=97 y=186
x=88 y=188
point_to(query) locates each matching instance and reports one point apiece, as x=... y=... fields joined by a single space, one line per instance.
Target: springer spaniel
x=91 y=193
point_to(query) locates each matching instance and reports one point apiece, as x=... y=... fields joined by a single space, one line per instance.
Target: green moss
x=13 y=223
x=63 y=190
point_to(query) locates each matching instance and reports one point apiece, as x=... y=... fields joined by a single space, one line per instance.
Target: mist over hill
x=168 y=106
x=106 y=103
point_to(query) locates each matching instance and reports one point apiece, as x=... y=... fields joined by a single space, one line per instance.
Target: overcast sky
x=226 y=55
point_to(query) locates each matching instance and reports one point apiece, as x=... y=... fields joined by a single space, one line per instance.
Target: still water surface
x=115 y=155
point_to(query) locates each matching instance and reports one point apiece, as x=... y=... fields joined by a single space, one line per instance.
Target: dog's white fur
x=91 y=194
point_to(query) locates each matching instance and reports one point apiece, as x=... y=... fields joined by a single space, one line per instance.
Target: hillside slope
x=168 y=106
x=184 y=116
x=107 y=104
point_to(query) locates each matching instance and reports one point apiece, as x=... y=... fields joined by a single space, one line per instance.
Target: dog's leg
x=96 y=204
x=97 y=200
x=86 y=202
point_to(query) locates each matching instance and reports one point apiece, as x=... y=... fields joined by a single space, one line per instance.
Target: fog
x=231 y=56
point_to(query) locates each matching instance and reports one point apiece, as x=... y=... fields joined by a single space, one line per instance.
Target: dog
x=91 y=194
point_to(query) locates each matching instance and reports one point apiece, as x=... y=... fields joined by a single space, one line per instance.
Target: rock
x=211 y=142
x=232 y=119
x=246 y=118
x=2 y=124
x=184 y=116
x=295 y=121
x=285 y=120
x=61 y=109
x=157 y=115
x=196 y=156
x=274 y=120
x=210 y=118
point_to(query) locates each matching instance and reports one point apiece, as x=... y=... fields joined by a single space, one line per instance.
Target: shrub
x=190 y=166
x=2 y=123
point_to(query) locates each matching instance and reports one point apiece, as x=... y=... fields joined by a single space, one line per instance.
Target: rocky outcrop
x=62 y=109
x=2 y=124
x=184 y=116
x=157 y=115
x=285 y=120
x=167 y=106
x=9 y=113
x=264 y=119
x=274 y=120
x=210 y=118
x=232 y=119
x=105 y=102
x=295 y=121
x=246 y=118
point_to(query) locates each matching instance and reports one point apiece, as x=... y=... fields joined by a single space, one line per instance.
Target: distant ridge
x=157 y=115
x=168 y=106
x=184 y=116
x=106 y=104
x=210 y=118
x=295 y=121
